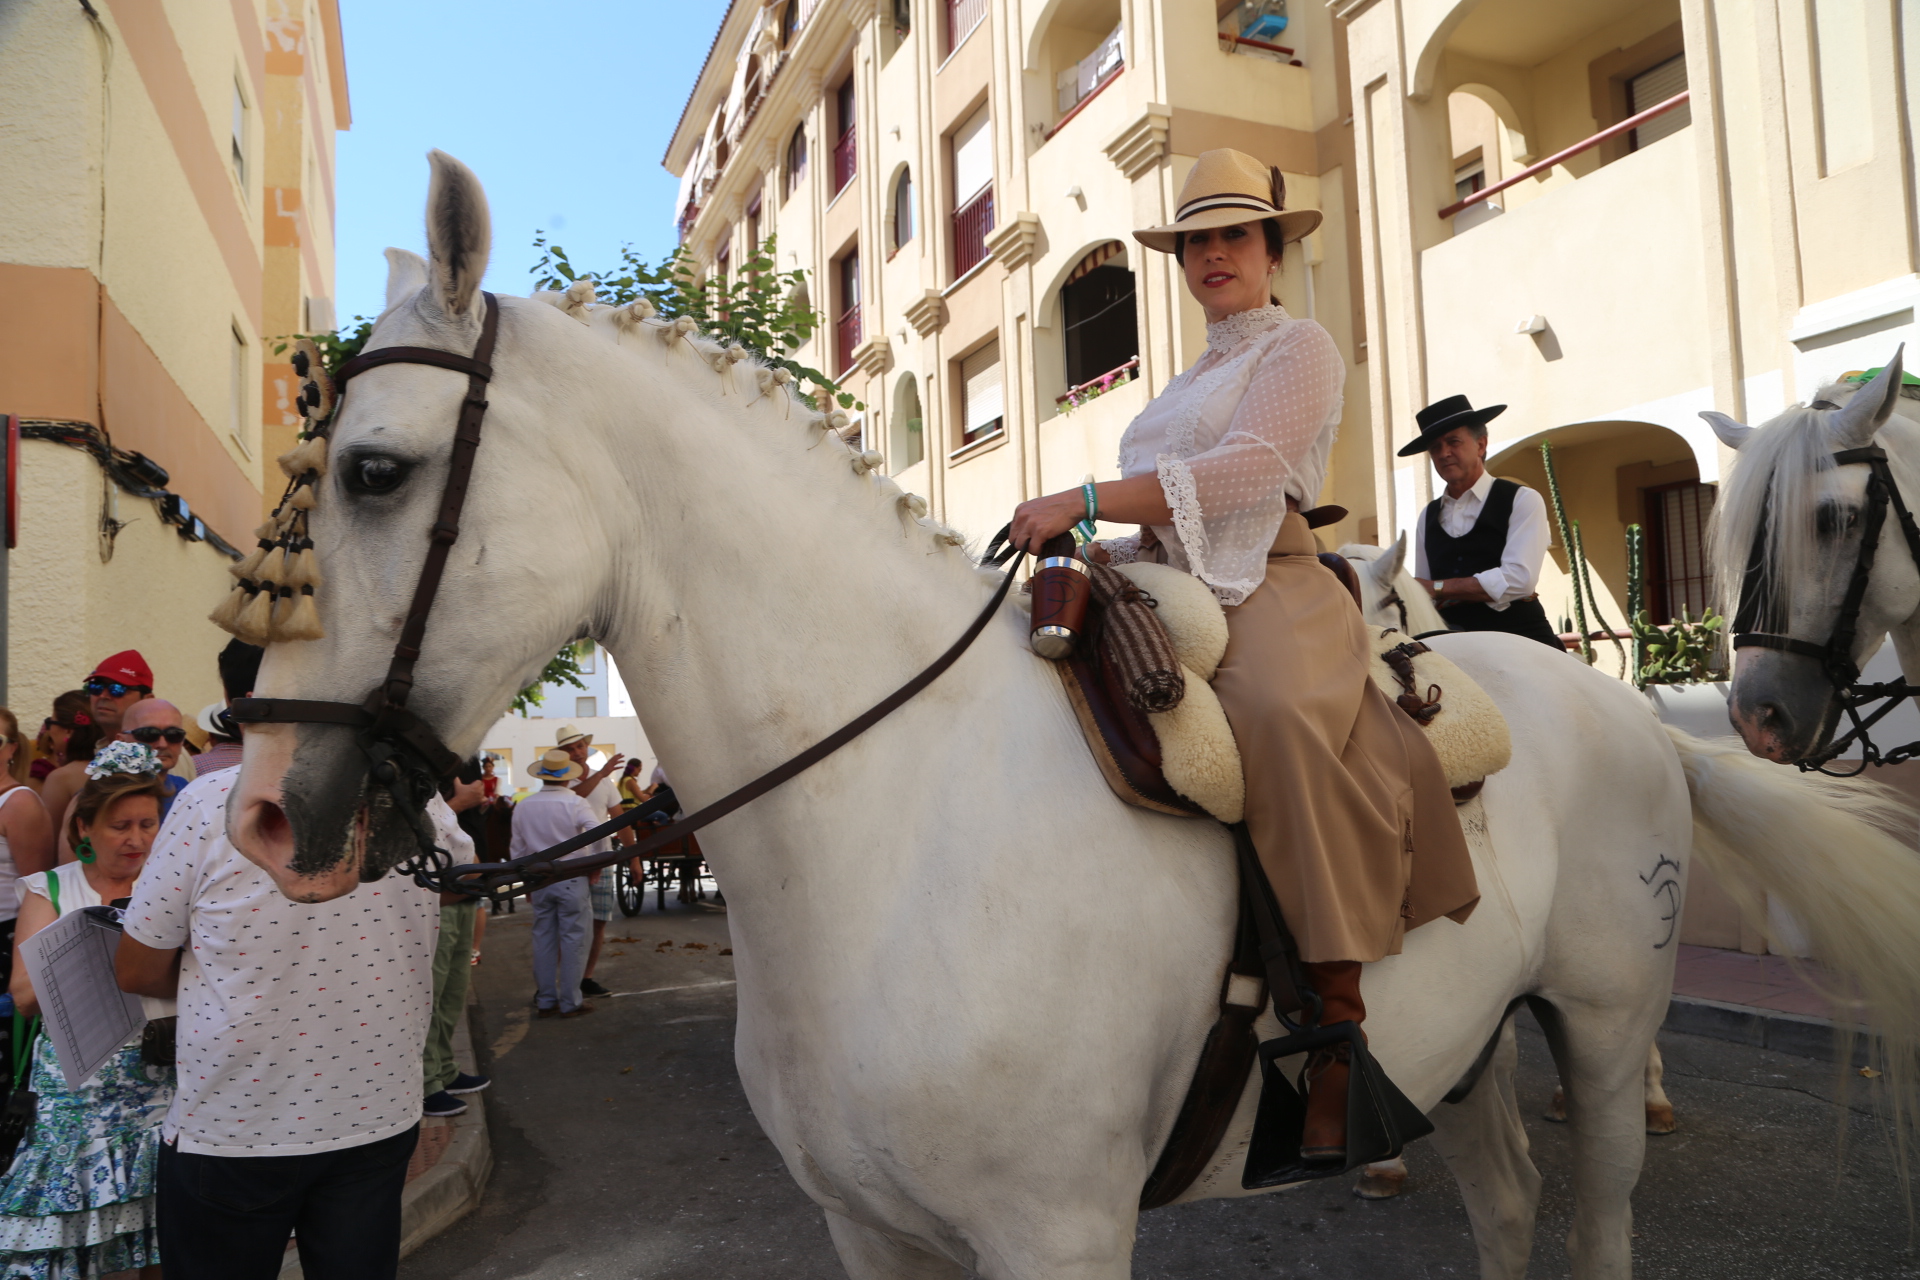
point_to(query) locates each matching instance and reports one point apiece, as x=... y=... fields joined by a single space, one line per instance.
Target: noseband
x=405 y=754
x=1836 y=655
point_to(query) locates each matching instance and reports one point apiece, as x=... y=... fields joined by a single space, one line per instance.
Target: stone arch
x=891 y=198
x=907 y=432
x=1519 y=140
x=1432 y=44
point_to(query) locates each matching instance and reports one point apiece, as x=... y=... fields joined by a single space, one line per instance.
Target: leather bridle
x=1836 y=655
x=406 y=755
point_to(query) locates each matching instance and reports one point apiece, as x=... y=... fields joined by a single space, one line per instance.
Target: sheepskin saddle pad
x=1185 y=761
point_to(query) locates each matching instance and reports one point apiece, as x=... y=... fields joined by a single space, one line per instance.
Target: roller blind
x=985 y=396
x=972 y=159
x=1651 y=88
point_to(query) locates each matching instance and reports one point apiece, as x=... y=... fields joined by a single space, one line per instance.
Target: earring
x=84 y=850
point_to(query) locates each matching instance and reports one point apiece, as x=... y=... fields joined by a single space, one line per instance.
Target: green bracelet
x=1093 y=506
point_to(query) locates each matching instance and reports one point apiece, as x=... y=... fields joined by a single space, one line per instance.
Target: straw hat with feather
x=1228 y=187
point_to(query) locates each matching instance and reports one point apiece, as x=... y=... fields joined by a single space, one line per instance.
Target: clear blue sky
x=563 y=109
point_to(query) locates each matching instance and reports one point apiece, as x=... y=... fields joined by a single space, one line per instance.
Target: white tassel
x=580 y=295
x=781 y=377
x=303 y=498
x=736 y=354
x=308 y=456
x=837 y=420
x=681 y=327
x=915 y=503
x=634 y=314
x=868 y=461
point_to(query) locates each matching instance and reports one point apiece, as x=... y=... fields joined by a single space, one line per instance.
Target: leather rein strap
x=1836 y=655
x=398 y=742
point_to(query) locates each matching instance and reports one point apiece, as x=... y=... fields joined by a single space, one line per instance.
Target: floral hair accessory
x=124 y=758
x=81 y=720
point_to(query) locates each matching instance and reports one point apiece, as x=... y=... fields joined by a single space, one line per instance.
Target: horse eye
x=375 y=474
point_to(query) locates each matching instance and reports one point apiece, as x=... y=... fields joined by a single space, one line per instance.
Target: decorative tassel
x=579 y=296
x=868 y=461
x=681 y=327
x=838 y=420
x=736 y=354
x=642 y=309
x=916 y=504
x=301 y=570
x=303 y=499
x=255 y=622
x=267 y=532
x=226 y=615
x=250 y=567
x=311 y=456
x=296 y=618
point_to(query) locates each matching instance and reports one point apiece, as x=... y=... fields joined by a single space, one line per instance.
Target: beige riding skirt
x=1346 y=800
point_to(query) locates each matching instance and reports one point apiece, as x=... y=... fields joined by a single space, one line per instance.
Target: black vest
x=1479 y=548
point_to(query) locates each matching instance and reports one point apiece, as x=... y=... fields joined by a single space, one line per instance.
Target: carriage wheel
x=627 y=891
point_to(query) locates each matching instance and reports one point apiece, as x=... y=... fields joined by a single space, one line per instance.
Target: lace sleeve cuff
x=1183 y=498
x=1122 y=550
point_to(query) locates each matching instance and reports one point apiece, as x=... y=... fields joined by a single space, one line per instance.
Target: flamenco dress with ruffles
x=79 y=1199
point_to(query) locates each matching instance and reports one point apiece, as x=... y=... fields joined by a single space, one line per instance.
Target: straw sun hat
x=1228 y=187
x=556 y=766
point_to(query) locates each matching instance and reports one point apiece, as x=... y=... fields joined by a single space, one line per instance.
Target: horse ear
x=459 y=233
x=1732 y=434
x=1396 y=559
x=406 y=275
x=1854 y=425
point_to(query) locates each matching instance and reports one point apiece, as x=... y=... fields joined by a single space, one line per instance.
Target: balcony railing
x=962 y=17
x=971 y=222
x=843 y=161
x=1560 y=157
x=846 y=336
x=1094 y=388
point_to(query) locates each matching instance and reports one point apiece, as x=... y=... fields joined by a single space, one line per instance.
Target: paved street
x=624 y=1149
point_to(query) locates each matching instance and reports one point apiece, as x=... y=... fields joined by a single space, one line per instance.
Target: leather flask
x=1060 y=591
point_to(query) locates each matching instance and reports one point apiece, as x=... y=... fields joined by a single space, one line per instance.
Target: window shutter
x=1651 y=88
x=985 y=396
x=972 y=159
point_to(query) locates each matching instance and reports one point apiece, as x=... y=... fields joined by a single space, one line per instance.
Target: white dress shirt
x=1528 y=536
x=548 y=816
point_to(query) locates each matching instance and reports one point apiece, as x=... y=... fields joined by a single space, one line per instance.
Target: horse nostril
x=271 y=825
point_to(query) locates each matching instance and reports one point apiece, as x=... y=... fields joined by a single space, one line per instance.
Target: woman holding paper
x=79 y=1197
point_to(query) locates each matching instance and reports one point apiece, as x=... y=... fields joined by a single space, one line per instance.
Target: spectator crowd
x=289 y=1050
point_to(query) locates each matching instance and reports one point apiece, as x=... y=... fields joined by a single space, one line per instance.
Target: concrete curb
x=1761 y=1028
x=451 y=1189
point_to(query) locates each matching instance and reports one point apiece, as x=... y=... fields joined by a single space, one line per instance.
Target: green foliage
x=563 y=668
x=755 y=307
x=1636 y=599
x=1684 y=651
x=1566 y=542
x=335 y=348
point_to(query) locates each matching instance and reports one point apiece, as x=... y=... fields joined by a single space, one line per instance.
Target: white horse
x=964 y=1074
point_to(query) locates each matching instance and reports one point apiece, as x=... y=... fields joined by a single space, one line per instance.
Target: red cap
x=126 y=667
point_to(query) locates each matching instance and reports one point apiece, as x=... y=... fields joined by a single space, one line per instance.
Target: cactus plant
x=1566 y=542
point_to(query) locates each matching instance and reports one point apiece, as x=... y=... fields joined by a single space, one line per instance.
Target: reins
x=1836 y=655
x=406 y=756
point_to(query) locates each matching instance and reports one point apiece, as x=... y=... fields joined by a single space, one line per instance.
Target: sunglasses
x=97 y=686
x=152 y=733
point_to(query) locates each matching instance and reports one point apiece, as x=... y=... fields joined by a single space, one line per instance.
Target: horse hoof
x=1381 y=1185
x=1660 y=1120
x=1557 y=1109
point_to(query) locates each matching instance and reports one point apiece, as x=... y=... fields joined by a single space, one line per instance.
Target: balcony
x=844 y=165
x=971 y=222
x=962 y=17
x=846 y=337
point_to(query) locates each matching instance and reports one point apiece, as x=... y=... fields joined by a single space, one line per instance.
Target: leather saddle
x=1124 y=743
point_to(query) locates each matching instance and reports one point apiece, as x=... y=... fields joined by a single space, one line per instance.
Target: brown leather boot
x=1323 y=1139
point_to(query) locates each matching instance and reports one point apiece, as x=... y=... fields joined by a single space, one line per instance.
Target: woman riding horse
x=1347 y=804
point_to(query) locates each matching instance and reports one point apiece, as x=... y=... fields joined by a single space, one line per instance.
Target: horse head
x=1390 y=597
x=306 y=808
x=1788 y=533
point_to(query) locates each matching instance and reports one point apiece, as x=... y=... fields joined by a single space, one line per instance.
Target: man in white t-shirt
x=601 y=793
x=298 y=1053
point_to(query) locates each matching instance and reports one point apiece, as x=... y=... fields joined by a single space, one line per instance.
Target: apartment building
x=959 y=178
x=167 y=215
x=1610 y=215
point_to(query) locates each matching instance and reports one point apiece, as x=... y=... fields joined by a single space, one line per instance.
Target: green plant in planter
x=1683 y=652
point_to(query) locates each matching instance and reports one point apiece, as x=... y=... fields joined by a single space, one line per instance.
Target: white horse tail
x=1827 y=849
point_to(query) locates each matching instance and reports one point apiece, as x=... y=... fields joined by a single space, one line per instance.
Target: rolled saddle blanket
x=1135 y=640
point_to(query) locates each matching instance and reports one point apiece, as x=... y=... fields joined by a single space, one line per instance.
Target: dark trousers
x=1521 y=618
x=228 y=1217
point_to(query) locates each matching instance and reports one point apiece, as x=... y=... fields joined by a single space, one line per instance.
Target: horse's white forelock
x=1773 y=486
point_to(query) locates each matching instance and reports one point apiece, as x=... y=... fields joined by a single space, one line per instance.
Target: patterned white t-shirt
x=301 y=1024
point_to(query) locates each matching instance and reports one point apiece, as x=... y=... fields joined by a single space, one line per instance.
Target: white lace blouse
x=1252 y=422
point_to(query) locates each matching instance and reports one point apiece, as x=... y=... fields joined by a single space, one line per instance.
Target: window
x=796 y=159
x=1078 y=81
x=589 y=660
x=903 y=209
x=753 y=226
x=750 y=88
x=239 y=141
x=846 y=328
x=1098 y=314
x=973 y=193
x=983 y=398
x=1651 y=88
x=237 y=390
x=1678 y=575
x=902 y=18
x=787 y=15
x=843 y=154
x=1469 y=178
x=909 y=438
x=584 y=707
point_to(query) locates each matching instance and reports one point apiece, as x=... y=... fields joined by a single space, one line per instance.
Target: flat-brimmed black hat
x=1443 y=416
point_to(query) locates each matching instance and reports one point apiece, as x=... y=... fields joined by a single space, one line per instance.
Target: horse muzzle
x=1783 y=706
x=306 y=811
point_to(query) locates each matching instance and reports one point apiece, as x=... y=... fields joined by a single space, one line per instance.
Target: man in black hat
x=1478 y=546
